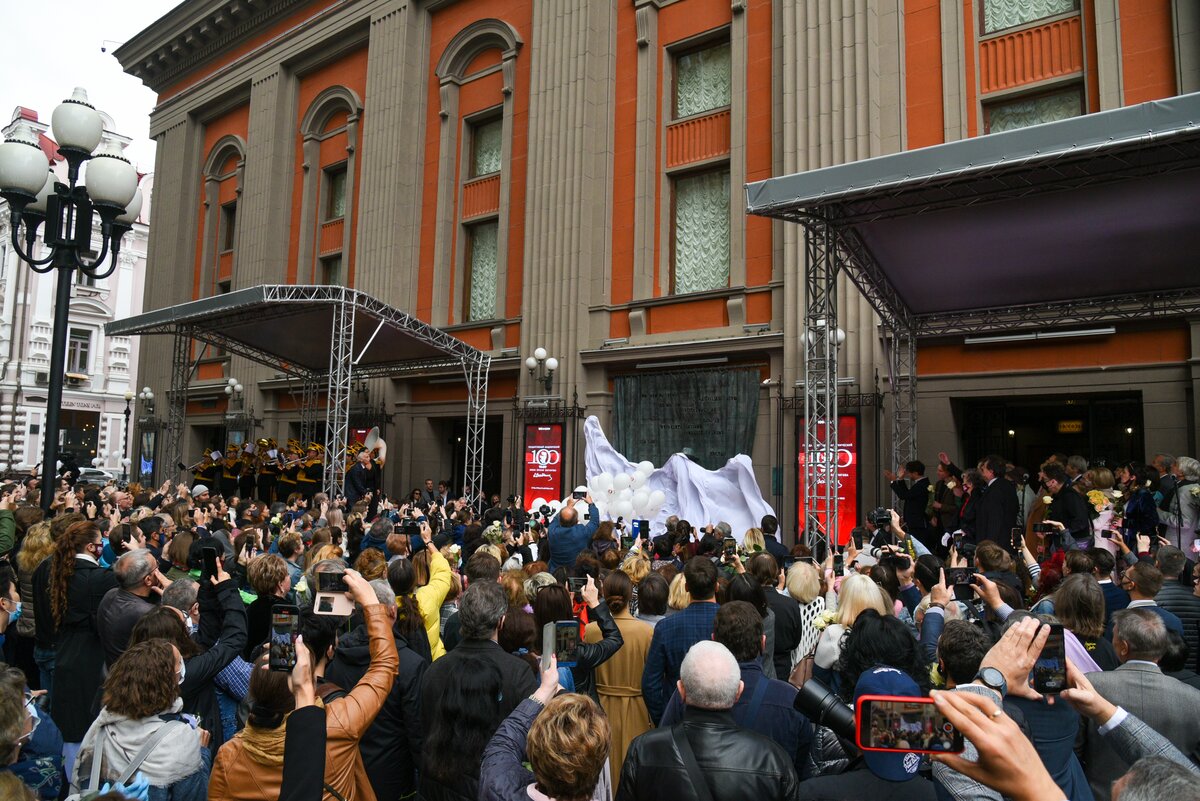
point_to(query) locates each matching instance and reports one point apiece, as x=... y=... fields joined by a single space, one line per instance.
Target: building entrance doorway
x=493 y=448
x=1106 y=429
x=79 y=434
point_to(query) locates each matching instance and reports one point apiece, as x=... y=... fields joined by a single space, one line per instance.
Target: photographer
x=567 y=536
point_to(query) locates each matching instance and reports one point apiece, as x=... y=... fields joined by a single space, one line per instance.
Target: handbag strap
x=141 y=755
x=679 y=735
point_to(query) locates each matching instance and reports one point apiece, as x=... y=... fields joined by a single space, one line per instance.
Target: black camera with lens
x=1044 y=528
x=881 y=519
x=823 y=707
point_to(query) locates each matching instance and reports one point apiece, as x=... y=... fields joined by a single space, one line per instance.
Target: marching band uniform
x=205 y=473
x=268 y=471
x=231 y=468
x=308 y=479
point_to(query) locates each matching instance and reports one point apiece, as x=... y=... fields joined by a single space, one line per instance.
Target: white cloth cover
x=700 y=496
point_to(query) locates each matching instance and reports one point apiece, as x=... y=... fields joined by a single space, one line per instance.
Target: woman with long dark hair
x=745 y=587
x=469 y=713
x=402 y=578
x=553 y=604
x=876 y=640
x=76 y=584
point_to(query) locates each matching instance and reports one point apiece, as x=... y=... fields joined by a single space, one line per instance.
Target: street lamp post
x=35 y=196
x=125 y=450
x=541 y=368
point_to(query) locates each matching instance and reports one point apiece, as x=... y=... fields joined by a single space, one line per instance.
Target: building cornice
x=193 y=33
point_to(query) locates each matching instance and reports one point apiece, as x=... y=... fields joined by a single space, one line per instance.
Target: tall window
x=331 y=270
x=703 y=80
x=335 y=193
x=700 y=243
x=1026 y=111
x=79 y=347
x=482 y=257
x=486 y=138
x=228 y=226
x=1001 y=14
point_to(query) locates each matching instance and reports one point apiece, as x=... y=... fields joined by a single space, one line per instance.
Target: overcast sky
x=52 y=46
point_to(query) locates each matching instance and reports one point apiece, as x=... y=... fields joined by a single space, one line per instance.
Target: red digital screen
x=543 y=462
x=846 y=491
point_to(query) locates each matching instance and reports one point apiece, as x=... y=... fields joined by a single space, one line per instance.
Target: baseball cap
x=199 y=489
x=895 y=766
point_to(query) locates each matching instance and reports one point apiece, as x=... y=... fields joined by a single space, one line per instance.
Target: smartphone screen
x=579 y=496
x=858 y=540
x=1108 y=533
x=208 y=556
x=1050 y=670
x=576 y=584
x=1018 y=538
x=285 y=623
x=839 y=564
x=331 y=582
x=959 y=579
x=640 y=528
x=730 y=547
x=820 y=551
x=627 y=541
x=566 y=642
x=905 y=724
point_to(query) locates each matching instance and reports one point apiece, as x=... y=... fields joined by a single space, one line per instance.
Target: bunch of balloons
x=627 y=495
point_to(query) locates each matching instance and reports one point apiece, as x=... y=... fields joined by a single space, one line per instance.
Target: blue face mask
x=15 y=614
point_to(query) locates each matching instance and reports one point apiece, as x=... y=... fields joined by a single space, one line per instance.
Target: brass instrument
x=375 y=444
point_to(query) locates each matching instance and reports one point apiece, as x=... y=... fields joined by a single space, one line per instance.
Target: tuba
x=375 y=444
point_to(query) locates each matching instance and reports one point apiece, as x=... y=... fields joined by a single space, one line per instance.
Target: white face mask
x=182 y=672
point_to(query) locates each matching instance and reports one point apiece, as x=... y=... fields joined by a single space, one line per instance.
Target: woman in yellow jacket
x=427 y=578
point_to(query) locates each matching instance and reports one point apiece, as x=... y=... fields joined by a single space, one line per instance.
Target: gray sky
x=35 y=37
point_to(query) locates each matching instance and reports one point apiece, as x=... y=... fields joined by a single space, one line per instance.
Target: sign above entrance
x=1070 y=426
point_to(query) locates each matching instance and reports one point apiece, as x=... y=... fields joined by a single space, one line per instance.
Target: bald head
x=133 y=568
x=568 y=516
x=709 y=677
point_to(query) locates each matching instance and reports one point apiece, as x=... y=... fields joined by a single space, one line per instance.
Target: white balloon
x=537 y=503
x=641 y=501
x=592 y=485
x=604 y=482
x=623 y=509
x=638 y=481
x=625 y=494
x=645 y=467
x=621 y=480
x=658 y=498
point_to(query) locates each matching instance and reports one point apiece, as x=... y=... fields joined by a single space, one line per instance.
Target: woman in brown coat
x=619 y=680
x=250 y=766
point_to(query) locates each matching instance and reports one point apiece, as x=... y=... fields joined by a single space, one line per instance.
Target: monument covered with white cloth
x=679 y=487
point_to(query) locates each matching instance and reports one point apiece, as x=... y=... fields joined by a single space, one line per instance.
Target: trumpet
x=193 y=467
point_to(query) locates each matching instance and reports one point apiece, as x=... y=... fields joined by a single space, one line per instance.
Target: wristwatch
x=993 y=679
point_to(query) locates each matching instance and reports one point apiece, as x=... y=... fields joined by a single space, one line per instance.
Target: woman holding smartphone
x=553 y=605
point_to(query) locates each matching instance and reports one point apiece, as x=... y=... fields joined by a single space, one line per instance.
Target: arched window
x=471 y=247
x=328 y=193
x=223 y=174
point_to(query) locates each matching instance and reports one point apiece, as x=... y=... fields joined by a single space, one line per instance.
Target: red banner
x=543 y=462
x=847 y=478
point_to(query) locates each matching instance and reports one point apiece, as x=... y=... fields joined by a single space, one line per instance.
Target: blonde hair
x=753 y=541
x=857 y=594
x=637 y=567
x=678 y=597
x=568 y=746
x=37 y=545
x=1101 y=478
x=326 y=551
x=494 y=551
x=803 y=582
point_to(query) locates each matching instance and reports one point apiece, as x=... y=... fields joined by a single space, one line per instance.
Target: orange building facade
x=566 y=174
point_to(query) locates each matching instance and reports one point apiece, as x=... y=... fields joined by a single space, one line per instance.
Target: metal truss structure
x=1154 y=146
x=346 y=335
x=822 y=338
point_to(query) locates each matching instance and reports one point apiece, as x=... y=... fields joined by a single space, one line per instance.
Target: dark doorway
x=493 y=448
x=1105 y=428
x=79 y=434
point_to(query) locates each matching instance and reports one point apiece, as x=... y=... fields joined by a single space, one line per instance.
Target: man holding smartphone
x=567 y=536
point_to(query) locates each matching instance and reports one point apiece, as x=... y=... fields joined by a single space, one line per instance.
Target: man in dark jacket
x=1067 y=507
x=770 y=529
x=361 y=480
x=567 y=536
x=997 y=511
x=139 y=585
x=390 y=746
x=915 y=497
x=708 y=746
x=765 y=705
x=1175 y=597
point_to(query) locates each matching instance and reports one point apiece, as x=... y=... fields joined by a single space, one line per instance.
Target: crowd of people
x=138 y=666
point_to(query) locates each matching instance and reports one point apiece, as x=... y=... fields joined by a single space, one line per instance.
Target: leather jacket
x=736 y=762
x=592 y=655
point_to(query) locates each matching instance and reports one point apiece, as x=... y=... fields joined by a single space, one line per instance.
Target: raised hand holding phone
x=549 y=685
x=591 y=595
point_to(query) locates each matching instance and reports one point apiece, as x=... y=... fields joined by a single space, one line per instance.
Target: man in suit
x=362 y=481
x=1143 y=581
x=427 y=494
x=915 y=496
x=997 y=511
x=1164 y=463
x=1166 y=705
x=1076 y=466
x=770 y=530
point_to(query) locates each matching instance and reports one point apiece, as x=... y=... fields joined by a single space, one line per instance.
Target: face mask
x=182 y=672
x=15 y=614
x=191 y=626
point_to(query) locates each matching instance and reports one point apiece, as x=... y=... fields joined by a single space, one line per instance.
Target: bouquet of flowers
x=1098 y=502
x=825 y=619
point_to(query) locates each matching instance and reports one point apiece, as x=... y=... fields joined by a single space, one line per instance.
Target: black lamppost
x=125 y=450
x=541 y=368
x=35 y=196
